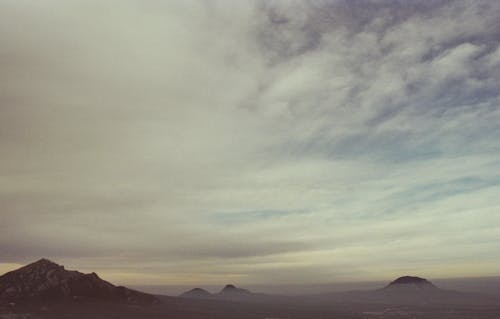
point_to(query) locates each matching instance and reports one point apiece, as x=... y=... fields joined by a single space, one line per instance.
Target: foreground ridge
x=47 y=280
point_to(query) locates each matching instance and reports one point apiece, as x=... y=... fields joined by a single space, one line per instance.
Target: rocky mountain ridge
x=46 y=280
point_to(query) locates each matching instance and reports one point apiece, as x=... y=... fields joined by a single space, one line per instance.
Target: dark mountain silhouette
x=197 y=293
x=82 y=296
x=406 y=290
x=46 y=280
x=46 y=290
x=410 y=282
x=233 y=290
x=417 y=290
x=411 y=290
x=229 y=292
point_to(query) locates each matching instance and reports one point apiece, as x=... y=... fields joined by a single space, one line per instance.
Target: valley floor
x=179 y=308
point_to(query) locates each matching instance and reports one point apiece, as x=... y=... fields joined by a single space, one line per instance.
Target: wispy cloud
x=274 y=140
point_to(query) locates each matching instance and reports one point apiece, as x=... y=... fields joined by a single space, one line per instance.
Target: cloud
x=313 y=140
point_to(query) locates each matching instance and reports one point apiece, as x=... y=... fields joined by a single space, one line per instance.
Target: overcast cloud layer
x=191 y=142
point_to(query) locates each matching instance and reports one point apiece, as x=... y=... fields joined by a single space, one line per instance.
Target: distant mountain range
x=401 y=285
x=229 y=292
x=46 y=280
x=46 y=290
x=408 y=290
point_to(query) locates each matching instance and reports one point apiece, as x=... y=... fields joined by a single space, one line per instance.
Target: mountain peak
x=232 y=289
x=45 y=279
x=43 y=263
x=198 y=290
x=197 y=293
x=410 y=281
x=44 y=260
x=42 y=273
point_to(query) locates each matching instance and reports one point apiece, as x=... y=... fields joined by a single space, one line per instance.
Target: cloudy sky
x=252 y=142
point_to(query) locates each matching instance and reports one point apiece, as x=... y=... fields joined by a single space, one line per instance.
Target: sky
x=251 y=142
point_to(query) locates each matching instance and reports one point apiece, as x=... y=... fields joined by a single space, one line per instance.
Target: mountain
x=229 y=290
x=197 y=293
x=410 y=282
x=416 y=290
x=46 y=290
x=411 y=289
x=46 y=280
x=403 y=291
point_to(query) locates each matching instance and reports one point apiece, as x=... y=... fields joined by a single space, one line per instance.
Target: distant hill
x=45 y=290
x=406 y=290
x=412 y=289
x=197 y=293
x=410 y=282
x=228 y=292
x=48 y=281
x=231 y=290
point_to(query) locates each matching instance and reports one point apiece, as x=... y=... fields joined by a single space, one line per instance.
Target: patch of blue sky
x=429 y=193
x=385 y=148
x=458 y=186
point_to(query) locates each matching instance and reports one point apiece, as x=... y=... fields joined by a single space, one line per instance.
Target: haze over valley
x=44 y=289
